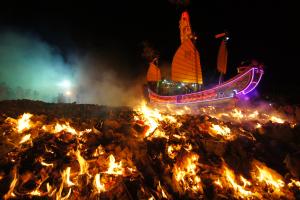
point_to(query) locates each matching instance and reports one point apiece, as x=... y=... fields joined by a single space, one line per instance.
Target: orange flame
x=152 y=117
x=294 y=183
x=236 y=113
x=221 y=130
x=161 y=190
x=12 y=186
x=24 y=122
x=173 y=150
x=158 y=134
x=268 y=176
x=25 y=138
x=185 y=174
x=239 y=190
x=64 y=127
x=114 y=167
x=277 y=120
x=66 y=177
x=65 y=180
x=84 y=166
x=98 y=185
x=99 y=151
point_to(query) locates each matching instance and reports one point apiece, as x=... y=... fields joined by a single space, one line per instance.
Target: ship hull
x=239 y=85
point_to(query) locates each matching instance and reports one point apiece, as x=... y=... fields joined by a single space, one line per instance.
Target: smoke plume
x=30 y=68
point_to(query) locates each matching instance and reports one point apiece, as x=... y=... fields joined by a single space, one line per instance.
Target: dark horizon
x=113 y=33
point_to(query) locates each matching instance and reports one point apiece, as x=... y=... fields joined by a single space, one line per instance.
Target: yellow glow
x=277 y=120
x=173 y=150
x=24 y=122
x=268 y=176
x=64 y=127
x=221 y=130
x=114 y=167
x=159 y=134
x=12 y=186
x=236 y=113
x=82 y=163
x=152 y=117
x=36 y=193
x=163 y=193
x=185 y=174
x=66 y=176
x=98 y=185
x=258 y=125
x=239 y=190
x=294 y=183
x=25 y=138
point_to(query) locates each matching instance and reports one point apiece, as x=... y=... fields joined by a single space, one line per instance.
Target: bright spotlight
x=68 y=93
x=65 y=84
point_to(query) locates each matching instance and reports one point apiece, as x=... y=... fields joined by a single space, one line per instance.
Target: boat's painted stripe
x=192 y=102
x=250 y=86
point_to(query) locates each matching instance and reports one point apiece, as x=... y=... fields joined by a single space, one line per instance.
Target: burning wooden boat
x=186 y=86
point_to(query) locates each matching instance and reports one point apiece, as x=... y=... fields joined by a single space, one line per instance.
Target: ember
x=148 y=154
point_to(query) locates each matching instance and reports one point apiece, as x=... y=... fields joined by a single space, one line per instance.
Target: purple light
x=250 y=86
x=244 y=91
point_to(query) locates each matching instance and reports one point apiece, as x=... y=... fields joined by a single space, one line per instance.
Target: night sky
x=115 y=30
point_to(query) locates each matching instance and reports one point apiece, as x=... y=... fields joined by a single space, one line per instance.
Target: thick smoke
x=99 y=83
x=30 y=68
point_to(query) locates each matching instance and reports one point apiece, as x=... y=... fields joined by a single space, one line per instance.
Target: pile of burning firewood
x=148 y=153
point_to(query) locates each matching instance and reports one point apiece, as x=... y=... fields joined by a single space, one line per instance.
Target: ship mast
x=187 y=34
x=186 y=66
x=185 y=28
x=222 y=56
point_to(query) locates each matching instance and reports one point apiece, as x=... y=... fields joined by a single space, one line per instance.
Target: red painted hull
x=241 y=84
